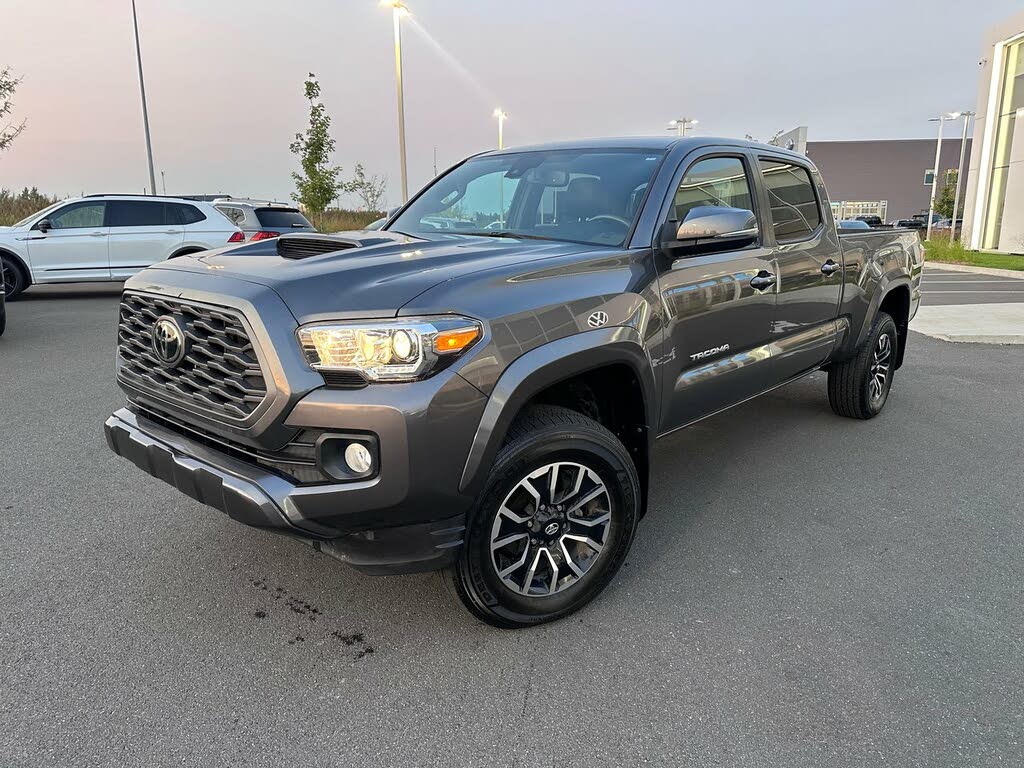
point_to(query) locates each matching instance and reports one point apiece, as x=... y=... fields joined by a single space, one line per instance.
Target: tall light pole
x=502 y=117
x=398 y=10
x=941 y=119
x=680 y=124
x=145 y=111
x=959 y=175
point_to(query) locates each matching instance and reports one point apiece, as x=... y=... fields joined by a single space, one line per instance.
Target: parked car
x=909 y=224
x=852 y=224
x=107 y=237
x=487 y=401
x=263 y=219
x=871 y=221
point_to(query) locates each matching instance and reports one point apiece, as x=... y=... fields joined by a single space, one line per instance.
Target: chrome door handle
x=170 y=231
x=829 y=268
x=762 y=281
x=97 y=234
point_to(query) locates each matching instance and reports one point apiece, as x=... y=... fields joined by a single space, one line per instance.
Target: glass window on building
x=1010 y=110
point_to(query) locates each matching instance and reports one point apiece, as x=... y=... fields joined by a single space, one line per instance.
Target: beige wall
x=1013 y=218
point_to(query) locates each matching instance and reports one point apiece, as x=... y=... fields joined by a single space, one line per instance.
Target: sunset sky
x=224 y=79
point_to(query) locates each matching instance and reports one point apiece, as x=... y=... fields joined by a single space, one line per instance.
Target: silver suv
x=263 y=219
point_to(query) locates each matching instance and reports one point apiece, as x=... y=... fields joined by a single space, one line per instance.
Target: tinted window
x=78 y=215
x=139 y=213
x=794 y=206
x=282 y=218
x=717 y=181
x=187 y=214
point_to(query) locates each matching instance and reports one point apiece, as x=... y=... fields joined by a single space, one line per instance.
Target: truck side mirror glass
x=716 y=223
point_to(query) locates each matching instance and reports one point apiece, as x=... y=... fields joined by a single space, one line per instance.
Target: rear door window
x=140 y=213
x=794 y=203
x=282 y=218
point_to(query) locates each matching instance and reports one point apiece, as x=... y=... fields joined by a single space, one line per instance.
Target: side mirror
x=44 y=225
x=716 y=224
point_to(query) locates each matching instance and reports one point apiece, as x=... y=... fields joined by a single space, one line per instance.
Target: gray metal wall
x=890 y=170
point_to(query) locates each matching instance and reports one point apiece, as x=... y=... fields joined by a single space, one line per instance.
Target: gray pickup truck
x=486 y=400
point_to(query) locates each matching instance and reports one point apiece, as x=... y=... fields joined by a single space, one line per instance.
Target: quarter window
x=716 y=181
x=78 y=215
x=187 y=214
x=794 y=205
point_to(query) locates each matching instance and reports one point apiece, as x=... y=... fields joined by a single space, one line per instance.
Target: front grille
x=219 y=375
x=296 y=461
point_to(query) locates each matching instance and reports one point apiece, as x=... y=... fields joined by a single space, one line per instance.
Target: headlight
x=388 y=350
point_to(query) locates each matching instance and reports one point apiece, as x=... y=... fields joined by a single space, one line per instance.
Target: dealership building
x=886 y=178
x=994 y=216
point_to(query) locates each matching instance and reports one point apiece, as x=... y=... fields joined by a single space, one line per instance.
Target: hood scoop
x=300 y=246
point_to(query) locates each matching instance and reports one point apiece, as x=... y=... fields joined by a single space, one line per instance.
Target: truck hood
x=373 y=274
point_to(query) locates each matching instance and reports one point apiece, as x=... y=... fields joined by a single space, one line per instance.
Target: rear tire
x=858 y=388
x=15 y=279
x=565 y=495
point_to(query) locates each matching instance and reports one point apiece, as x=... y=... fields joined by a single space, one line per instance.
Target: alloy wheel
x=551 y=529
x=880 y=365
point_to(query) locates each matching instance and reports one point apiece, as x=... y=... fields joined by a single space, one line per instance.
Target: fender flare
x=549 y=364
x=885 y=286
x=20 y=262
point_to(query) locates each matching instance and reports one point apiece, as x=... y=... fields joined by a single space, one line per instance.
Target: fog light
x=358 y=458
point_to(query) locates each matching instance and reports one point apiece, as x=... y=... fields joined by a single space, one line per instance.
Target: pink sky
x=224 y=79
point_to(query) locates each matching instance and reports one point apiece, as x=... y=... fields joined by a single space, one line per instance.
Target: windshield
x=585 y=196
x=31 y=216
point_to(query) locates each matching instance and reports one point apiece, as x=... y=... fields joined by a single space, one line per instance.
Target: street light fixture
x=680 y=124
x=941 y=119
x=502 y=117
x=398 y=12
x=959 y=174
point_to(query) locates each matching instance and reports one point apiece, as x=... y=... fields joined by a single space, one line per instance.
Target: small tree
x=318 y=184
x=369 y=189
x=8 y=84
x=945 y=201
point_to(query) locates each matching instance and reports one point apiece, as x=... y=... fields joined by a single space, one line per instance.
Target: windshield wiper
x=500 y=233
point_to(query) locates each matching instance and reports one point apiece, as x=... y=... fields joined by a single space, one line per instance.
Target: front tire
x=15 y=281
x=553 y=524
x=858 y=388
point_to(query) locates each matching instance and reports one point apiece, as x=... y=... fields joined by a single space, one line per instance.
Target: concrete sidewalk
x=1014 y=273
x=978 y=323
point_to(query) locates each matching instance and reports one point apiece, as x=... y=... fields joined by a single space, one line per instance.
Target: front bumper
x=397 y=542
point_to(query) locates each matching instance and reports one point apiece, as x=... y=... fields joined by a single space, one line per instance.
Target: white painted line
x=932 y=293
x=971 y=282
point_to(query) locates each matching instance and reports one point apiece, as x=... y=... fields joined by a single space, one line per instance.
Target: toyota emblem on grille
x=597 y=319
x=168 y=341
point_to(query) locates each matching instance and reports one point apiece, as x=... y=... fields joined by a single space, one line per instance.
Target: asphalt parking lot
x=945 y=287
x=805 y=591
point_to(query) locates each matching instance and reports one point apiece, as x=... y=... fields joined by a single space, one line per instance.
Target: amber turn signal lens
x=455 y=341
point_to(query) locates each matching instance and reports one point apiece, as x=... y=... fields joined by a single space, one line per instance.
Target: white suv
x=107 y=237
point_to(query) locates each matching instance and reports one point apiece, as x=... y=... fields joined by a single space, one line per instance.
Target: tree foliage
x=317 y=185
x=8 y=85
x=947 y=195
x=369 y=189
x=15 y=206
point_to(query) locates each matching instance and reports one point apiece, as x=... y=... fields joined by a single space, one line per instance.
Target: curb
x=964 y=338
x=1017 y=274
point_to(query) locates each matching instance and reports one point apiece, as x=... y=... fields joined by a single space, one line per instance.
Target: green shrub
x=341 y=220
x=16 y=206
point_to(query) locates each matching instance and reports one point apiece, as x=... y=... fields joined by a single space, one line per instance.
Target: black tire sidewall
x=13 y=271
x=493 y=600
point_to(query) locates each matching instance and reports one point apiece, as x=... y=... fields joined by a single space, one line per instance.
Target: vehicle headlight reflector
x=388 y=350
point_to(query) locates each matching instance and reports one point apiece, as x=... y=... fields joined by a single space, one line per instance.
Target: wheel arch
x=187 y=250
x=20 y=263
x=604 y=374
x=896 y=303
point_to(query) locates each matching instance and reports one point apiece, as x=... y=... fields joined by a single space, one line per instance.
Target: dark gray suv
x=486 y=400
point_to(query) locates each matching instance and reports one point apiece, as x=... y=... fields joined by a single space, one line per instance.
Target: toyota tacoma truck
x=485 y=399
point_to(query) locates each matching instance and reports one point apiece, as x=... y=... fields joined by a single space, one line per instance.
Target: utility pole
x=145 y=111
x=163 y=183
